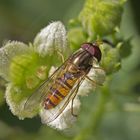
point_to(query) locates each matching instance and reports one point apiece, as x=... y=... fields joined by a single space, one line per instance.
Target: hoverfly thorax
x=83 y=58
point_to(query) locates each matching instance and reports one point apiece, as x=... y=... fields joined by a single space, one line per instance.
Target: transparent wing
x=54 y=113
x=40 y=93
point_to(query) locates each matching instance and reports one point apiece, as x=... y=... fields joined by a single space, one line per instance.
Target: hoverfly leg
x=93 y=82
x=72 y=111
x=98 y=68
x=72 y=102
x=61 y=55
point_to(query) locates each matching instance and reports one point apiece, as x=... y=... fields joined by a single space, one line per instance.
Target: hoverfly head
x=93 y=49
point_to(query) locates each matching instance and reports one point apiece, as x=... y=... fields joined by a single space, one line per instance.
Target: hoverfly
x=65 y=81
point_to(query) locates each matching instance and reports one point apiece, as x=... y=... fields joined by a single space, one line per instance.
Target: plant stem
x=96 y=116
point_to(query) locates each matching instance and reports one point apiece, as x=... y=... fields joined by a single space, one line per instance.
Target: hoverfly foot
x=74 y=115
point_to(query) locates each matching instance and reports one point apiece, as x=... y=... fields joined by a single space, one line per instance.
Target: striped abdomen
x=60 y=89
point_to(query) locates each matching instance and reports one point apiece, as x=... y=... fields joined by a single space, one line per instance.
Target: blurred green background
x=21 y=20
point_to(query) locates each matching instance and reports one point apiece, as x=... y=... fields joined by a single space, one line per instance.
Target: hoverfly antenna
x=93 y=49
x=108 y=42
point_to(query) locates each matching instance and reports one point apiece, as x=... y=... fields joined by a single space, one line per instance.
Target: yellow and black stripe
x=60 y=90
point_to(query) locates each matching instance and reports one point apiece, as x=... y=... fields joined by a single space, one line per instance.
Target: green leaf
x=126 y=48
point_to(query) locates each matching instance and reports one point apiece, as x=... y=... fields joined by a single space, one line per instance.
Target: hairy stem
x=96 y=117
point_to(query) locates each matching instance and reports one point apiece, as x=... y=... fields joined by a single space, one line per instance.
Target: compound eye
x=86 y=46
x=92 y=49
x=97 y=53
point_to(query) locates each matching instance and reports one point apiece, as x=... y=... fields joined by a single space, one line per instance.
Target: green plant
x=26 y=66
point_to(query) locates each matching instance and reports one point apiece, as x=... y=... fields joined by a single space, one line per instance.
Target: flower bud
x=7 y=53
x=26 y=73
x=100 y=17
x=52 y=38
x=16 y=99
x=75 y=37
x=110 y=61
